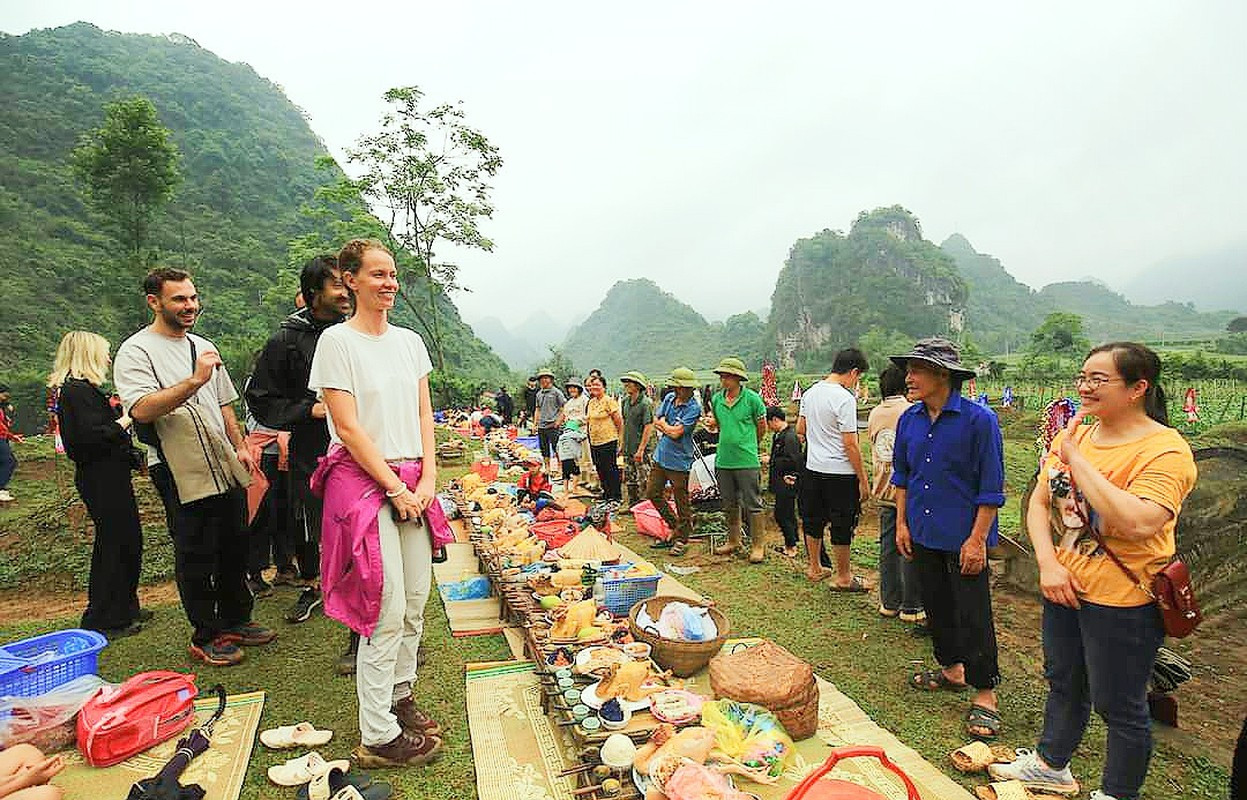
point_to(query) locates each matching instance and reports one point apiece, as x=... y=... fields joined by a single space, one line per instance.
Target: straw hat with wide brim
x=683 y=377
x=636 y=377
x=732 y=366
x=937 y=351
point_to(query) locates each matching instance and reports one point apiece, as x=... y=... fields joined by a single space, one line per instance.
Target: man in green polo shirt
x=739 y=416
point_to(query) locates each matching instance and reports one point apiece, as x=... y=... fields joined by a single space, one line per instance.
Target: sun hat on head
x=545 y=373
x=574 y=382
x=937 y=351
x=732 y=365
x=635 y=377
x=684 y=378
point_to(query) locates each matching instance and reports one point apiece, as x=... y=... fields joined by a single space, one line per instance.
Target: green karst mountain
x=883 y=275
x=639 y=326
x=1001 y=312
x=249 y=165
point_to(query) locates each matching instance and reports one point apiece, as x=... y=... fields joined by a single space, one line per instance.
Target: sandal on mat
x=337 y=784
x=302 y=735
x=856 y=586
x=983 y=717
x=977 y=755
x=932 y=680
x=1006 y=790
x=298 y=771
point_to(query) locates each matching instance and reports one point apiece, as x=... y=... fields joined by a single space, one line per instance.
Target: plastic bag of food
x=474 y=588
x=750 y=734
x=47 y=720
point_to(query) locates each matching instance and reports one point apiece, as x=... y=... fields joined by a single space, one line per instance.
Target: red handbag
x=125 y=720
x=1171 y=589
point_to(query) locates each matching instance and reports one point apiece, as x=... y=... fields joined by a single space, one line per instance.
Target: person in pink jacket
x=378 y=483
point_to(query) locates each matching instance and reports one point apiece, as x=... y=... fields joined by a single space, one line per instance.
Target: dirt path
x=22 y=605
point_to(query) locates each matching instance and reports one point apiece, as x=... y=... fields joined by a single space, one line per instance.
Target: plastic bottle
x=599 y=592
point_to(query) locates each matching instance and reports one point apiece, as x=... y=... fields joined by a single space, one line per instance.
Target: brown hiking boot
x=406 y=750
x=413 y=719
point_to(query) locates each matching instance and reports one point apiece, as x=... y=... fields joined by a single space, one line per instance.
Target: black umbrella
x=164 y=785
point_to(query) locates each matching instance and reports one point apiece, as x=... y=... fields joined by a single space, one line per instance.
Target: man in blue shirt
x=948 y=470
x=675 y=419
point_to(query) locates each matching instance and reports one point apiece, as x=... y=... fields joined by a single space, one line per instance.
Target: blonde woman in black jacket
x=97 y=440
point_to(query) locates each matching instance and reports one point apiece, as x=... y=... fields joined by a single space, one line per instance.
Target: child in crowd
x=571 y=442
x=534 y=489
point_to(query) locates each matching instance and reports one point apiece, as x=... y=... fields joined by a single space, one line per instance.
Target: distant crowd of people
x=337 y=458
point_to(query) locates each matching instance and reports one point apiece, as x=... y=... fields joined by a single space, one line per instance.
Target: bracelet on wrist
x=402 y=487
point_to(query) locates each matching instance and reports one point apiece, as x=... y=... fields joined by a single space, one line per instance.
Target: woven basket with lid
x=770 y=676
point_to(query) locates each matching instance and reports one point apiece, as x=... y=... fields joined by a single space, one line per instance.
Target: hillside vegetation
x=249 y=162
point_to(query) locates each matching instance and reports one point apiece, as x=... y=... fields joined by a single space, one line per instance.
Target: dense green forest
x=250 y=166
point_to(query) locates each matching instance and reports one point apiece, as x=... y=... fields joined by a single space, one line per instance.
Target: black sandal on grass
x=933 y=680
x=985 y=718
x=679 y=548
x=662 y=544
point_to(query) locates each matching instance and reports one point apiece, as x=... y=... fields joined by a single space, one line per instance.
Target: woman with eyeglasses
x=1117 y=484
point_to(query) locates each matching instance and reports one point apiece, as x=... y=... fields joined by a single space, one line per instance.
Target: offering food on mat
x=542 y=585
x=684 y=779
x=618 y=751
x=676 y=706
x=694 y=743
x=770 y=676
x=590 y=545
x=637 y=651
x=568 y=579
x=631 y=680
x=593 y=660
x=570 y=621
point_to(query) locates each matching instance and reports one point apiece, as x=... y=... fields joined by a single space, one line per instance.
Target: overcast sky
x=693 y=143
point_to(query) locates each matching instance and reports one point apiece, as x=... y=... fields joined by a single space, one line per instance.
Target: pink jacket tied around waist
x=351 y=575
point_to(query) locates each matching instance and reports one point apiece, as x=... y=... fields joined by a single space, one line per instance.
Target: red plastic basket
x=816 y=787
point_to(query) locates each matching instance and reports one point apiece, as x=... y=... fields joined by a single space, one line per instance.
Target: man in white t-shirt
x=834 y=482
x=158 y=370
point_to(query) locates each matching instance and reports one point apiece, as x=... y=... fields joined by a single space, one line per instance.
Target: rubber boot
x=757 y=533
x=733 y=534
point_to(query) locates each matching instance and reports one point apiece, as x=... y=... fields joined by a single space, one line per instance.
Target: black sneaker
x=259 y=587
x=309 y=600
x=249 y=634
x=218 y=652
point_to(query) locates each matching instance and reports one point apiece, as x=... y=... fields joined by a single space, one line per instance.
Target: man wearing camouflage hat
x=675 y=419
x=638 y=415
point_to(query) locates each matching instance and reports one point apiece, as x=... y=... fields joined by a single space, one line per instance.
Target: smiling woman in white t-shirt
x=374 y=379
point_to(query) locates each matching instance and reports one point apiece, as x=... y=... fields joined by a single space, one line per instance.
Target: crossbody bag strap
x=1100 y=538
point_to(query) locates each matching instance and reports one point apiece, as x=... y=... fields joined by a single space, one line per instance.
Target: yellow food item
x=550 y=601
x=589 y=633
x=571 y=620
x=566 y=578
x=630 y=681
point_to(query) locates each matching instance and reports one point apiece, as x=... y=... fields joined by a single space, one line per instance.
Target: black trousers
x=606 y=462
x=117 y=555
x=959 y=615
x=786 y=513
x=209 y=556
x=270 y=535
x=305 y=520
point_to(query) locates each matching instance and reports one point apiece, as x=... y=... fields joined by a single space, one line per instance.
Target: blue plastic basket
x=623 y=593
x=38 y=665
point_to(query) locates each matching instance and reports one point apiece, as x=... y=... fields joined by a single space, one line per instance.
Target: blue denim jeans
x=899 y=589
x=8 y=463
x=1100 y=657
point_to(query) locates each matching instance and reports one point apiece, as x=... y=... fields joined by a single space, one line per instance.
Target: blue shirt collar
x=954 y=404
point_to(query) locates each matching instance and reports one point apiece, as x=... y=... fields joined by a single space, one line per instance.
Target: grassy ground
x=841 y=635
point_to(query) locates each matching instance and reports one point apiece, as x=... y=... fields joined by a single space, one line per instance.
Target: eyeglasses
x=1092 y=382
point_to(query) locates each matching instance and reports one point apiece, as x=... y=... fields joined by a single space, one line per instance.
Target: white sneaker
x=5 y=497
x=1030 y=769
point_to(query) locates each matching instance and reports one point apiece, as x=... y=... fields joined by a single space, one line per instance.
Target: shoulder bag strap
x=1100 y=538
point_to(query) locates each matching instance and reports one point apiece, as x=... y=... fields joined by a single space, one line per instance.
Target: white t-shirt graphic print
x=383 y=374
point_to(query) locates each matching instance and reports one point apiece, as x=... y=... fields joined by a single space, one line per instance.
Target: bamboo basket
x=682 y=658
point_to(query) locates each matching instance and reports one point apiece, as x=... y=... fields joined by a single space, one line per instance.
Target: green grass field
x=842 y=635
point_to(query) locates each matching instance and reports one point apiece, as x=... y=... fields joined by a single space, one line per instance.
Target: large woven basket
x=682 y=658
x=772 y=677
